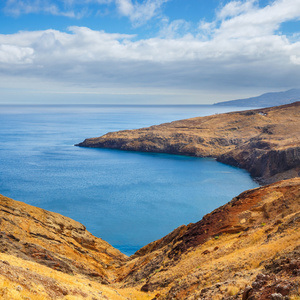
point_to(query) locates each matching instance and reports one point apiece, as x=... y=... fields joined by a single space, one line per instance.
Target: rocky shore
x=265 y=142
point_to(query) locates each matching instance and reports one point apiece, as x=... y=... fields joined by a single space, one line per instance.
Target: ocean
x=128 y=199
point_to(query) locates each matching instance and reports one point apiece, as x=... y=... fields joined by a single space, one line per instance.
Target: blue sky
x=147 y=51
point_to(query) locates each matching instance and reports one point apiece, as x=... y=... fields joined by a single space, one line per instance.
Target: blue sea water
x=128 y=199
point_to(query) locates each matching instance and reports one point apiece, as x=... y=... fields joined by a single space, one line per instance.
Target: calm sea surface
x=129 y=199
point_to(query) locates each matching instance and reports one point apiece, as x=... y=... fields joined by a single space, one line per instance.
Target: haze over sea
x=128 y=199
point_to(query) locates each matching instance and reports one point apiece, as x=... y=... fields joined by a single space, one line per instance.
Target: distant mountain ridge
x=265 y=100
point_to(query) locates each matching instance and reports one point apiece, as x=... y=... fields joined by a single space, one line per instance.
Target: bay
x=127 y=198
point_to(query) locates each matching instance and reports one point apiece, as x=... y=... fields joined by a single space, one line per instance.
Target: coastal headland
x=265 y=142
x=248 y=249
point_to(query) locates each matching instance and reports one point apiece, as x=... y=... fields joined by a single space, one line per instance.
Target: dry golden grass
x=232 y=290
x=10 y=290
x=16 y=287
x=58 y=237
x=296 y=294
x=234 y=254
x=224 y=266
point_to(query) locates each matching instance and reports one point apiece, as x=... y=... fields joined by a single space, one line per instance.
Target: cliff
x=265 y=142
x=246 y=249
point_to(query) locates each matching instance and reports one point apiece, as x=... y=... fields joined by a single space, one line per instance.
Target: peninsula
x=265 y=142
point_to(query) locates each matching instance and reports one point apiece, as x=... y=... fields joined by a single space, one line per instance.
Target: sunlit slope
x=248 y=247
x=253 y=238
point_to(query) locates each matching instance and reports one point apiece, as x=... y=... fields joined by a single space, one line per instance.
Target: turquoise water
x=129 y=199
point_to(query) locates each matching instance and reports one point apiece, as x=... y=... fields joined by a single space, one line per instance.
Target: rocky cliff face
x=266 y=165
x=246 y=249
x=264 y=141
x=55 y=241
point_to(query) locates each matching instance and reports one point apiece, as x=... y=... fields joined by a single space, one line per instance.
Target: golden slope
x=247 y=248
x=220 y=255
x=56 y=241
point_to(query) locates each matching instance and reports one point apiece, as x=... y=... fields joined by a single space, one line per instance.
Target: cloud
x=174 y=29
x=10 y=54
x=140 y=13
x=125 y=7
x=240 y=49
x=20 y=7
x=248 y=20
x=235 y=8
x=67 y=8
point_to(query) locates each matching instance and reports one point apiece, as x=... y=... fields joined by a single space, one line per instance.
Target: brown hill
x=55 y=241
x=253 y=238
x=264 y=141
x=247 y=248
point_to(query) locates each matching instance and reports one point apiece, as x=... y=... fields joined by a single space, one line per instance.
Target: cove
x=127 y=198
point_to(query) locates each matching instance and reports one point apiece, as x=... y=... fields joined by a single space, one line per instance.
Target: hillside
x=251 y=239
x=265 y=100
x=265 y=142
x=246 y=249
x=44 y=255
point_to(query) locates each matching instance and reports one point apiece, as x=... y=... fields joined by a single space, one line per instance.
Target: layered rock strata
x=55 y=241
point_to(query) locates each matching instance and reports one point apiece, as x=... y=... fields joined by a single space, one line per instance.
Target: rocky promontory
x=265 y=142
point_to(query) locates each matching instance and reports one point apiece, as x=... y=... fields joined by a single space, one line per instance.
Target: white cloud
x=173 y=29
x=140 y=13
x=255 y=21
x=235 y=8
x=20 y=7
x=10 y=54
x=125 y=7
x=241 y=48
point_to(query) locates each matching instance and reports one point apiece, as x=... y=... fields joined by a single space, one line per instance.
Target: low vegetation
x=247 y=259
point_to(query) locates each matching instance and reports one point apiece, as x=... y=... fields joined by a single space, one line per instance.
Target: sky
x=146 y=51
